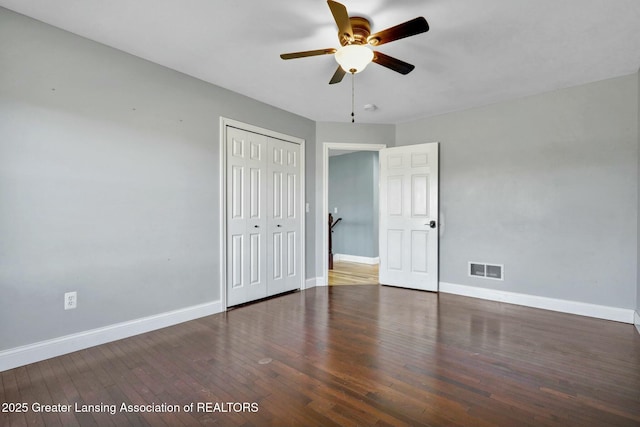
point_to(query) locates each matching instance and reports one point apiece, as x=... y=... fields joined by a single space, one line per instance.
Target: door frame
x=326 y=146
x=222 y=259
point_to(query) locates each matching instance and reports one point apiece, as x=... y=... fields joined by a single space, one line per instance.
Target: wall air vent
x=487 y=271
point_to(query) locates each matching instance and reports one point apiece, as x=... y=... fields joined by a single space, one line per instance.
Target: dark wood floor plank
x=353 y=356
x=11 y=394
x=41 y=393
x=27 y=389
x=62 y=389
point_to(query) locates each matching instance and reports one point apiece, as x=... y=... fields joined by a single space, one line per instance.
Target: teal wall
x=353 y=189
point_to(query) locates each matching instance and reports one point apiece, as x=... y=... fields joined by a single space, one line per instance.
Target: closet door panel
x=284 y=222
x=246 y=216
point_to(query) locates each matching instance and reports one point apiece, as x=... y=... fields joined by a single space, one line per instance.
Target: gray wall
x=546 y=185
x=353 y=189
x=355 y=133
x=109 y=183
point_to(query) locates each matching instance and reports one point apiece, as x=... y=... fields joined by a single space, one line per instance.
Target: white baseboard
x=564 y=306
x=312 y=282
x=31 y=353
x=356 y=258
x=636 y=320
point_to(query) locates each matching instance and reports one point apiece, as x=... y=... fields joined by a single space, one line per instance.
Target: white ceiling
x=476 y=52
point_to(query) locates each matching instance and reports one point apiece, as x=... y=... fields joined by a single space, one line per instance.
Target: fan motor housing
x=361 y=30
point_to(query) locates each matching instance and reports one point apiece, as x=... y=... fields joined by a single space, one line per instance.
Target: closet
x=263 y=216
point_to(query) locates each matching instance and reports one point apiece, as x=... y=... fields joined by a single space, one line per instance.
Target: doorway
x=409 y=224
x=329 y=147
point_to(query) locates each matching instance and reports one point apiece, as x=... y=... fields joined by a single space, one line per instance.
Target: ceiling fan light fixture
x=353 y=58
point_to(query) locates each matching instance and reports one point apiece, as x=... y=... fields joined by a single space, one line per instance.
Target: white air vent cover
x=487 y=271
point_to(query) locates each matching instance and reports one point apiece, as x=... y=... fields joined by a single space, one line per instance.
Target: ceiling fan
x=354 y=34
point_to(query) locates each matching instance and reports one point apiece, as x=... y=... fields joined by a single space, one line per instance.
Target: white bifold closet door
x=263 y=223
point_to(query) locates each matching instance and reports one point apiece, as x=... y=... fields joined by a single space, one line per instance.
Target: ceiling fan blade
x=341 y=17
x=392 y=63
x=306 y=53
x=406 y=29
x=337 y=76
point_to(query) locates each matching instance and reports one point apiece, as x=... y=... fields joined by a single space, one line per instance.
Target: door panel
x=276 y=183
x=394 y=257
x=408 y=206
x=419 y=196
x=255 y=191
x=291 y=253
x=291 y=196
x=246 y=219
x=419 y=250
x=256 y=259
x=277 y=257
x=284 y=222
x=237 y=191
x=236 y=261
x=394 y=195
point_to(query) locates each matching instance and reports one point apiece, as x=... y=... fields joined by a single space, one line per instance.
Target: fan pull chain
x=353 y=91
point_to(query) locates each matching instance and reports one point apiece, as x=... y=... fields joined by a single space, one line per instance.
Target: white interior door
x=409 y=216
x=284 y=225
x=246 y=216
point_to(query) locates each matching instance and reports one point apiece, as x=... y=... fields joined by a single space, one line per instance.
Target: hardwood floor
x=349 y=356
x=352 y=273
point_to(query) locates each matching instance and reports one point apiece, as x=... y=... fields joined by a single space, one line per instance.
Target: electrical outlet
x=70 y=300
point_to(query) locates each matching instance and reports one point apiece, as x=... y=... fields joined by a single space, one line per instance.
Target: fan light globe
x=354 y=57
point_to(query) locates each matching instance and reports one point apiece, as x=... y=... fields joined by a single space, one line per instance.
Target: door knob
x=432 y=224
x=256 y=226
x=278 y=225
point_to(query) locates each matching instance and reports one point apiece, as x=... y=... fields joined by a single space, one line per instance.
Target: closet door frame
x=225 y=123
